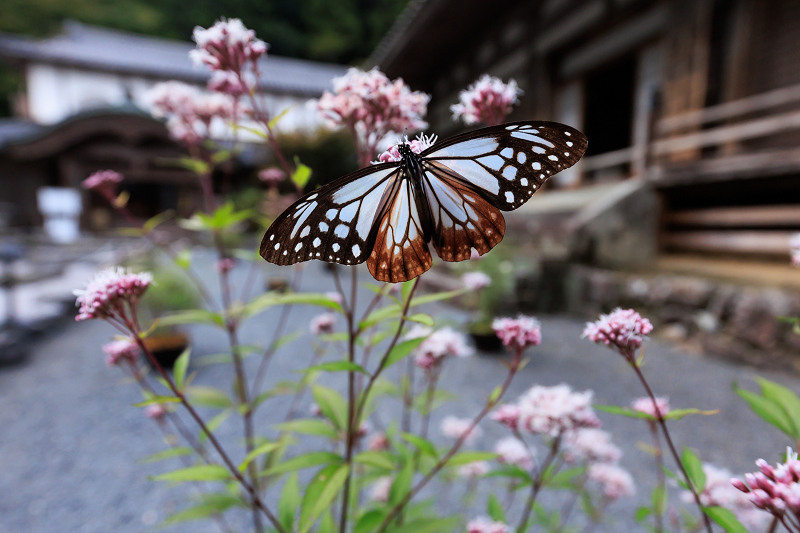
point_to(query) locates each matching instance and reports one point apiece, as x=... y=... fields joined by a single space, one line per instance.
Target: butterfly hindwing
x=400 y=251
x=462 y=219
x=332 y=223
x=508 y=163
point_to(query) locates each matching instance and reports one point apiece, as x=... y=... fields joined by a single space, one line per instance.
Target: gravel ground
x=70 y=443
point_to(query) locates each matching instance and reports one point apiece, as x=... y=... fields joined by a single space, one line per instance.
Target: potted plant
x=490 y=301
x=170 y=293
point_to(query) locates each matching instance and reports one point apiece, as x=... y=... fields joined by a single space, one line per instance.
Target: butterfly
x=450 y=195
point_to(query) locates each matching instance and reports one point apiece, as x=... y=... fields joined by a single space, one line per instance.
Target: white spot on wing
x=299 y=245
x=536 y=165
x=538 y=149
x=316 y=242
x=467 y=148
x=510 y=172
x=552 y=158
x=323 y=227
x=524 y=182
x=507 y=152
x=509 y=197
x=521 y=157
x=341 y=231
x=356 y=250
x=495 y=162
x=330 y=214
x=335 y=247
x=347 y=213
x=305 y=231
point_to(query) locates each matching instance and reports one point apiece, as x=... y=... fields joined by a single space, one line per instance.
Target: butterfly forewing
x=332 y=223
x=400 y=250
x=508 y=163
x=462 y=218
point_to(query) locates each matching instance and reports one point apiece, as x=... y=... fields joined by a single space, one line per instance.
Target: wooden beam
x=737 y=132
x=745 y=242
x=741 y=166
x=729 y=110
x=609 y=159
x=773 y=215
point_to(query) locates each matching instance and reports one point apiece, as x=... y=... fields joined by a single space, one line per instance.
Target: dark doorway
x=609 y=106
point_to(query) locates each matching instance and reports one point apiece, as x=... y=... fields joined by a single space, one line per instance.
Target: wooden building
x=699 y=99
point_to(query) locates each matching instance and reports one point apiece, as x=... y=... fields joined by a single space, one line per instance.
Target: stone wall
x=741 y=323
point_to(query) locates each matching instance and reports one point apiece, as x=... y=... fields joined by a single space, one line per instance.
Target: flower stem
x=493 y=401
x=538 y=483
x=658 y=511
x=671 y=446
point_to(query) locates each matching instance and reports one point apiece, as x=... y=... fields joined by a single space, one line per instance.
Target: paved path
x=70 y=441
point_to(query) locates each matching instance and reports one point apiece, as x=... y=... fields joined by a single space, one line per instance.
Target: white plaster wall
x=56 y=93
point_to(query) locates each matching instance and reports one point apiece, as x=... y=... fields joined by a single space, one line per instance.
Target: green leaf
x=405 y=291
x=726 y=519
x=512 y=472
x=301 y=174
x=320 y=493
x=274 y=122
x=309 y=426
x=624 y=411
x=327 y=524
x=437 y=296
x=421 y=318
x=208 y=397
x=424 y=445
x=180 y=367
x=271 y=299
x=768 y=410
x=402 y=350
x=332 y=405
x=694 y=469
x=402 y=483
x=158 y=400
x=786 y=399
x=377 y=459
x=214 y=423
x=258 y=452
x=194 y=316
x=336 y=366
x=196 y=473
x=642 y=513
x=177 y=451
x=212 y=504
x=495 y=509
x=427 y=525
x=303 y=461
x=183 y=259
x=289 y=502
x=370 y=521
x=659 y=500
x=463 y=458
x=152 y=223
x=677 y=414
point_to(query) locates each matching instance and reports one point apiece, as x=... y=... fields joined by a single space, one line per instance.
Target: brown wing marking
x=462 y=218
x=400 y=252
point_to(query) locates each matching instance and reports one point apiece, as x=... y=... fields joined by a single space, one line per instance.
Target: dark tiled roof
x=13 y=130
x=115 y=51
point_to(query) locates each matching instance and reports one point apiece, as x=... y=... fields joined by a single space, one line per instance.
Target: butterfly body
x=450 y=195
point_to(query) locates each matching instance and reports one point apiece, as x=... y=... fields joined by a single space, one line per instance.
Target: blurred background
x=684 y=206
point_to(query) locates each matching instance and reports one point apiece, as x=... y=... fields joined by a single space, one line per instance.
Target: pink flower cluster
x=794 y=249
x=418 y=145
x=156 y=411
x=373 y=106
x=105 y=296
x=623 y=330
x=122 y=350
x=646 y=405
x=591 y=444
x=439 y=345
x=103 y=181
x=549 y=411
x=456 y=428
x=512 y=451
x=378 y=442
x=190 y=113
x=487 y=525
x=227 y=46
x=518 y=333
x=323 y=323
x=614 y=481
x=272 y=176
x=474 y=470
x=380 y=489
x=719 y=491
x=486 y=101
x=476 y=281
x=774 y=489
